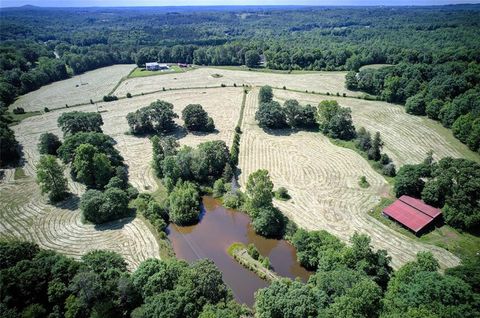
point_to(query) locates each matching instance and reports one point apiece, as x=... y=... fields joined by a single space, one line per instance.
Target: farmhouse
x=154 y=66
x=412 y=213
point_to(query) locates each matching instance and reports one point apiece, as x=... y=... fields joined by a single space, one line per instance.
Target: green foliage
x=259 y=190
x=75 y=122
x=334 y=120
x=100 y=207
x=451 y=184
x=102 y=261
x=218 y=188
x=48 y=144
x=51 y=179
x=233 y=200
x=282 y=194
x=415 y=105
x=156 y=118
x=12 y=252
x=252 y=58
x=204 y=164
x=110 y=98
x=285 y=298
x=104 y=144
x=418 y=285
x=92 y=167
x=298 y=116
x=268 y=221
x=468 y=272
x=363 y=183
x=156 y=213
x=265 y=95
x=271 y=115
x=408 y=181
x=184 y=204
x=197 y=119
x=8 y=144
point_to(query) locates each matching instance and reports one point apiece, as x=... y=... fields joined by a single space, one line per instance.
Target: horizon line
x=246 y=5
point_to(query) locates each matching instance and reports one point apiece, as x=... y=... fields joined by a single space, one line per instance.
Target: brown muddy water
x=218 y=229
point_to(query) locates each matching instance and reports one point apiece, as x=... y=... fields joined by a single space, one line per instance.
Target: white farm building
x=154 y=66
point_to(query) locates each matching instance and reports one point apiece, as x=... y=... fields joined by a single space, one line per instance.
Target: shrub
x=252 y=251
x=129 y=95
x=233 y=200
x=363 y=183
x=218 y=188
x=282 y=193
x=110 y=98
x=18 y=110
x=46 y=110
x=100 y=207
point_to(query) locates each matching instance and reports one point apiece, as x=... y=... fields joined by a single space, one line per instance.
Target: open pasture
x=332 y=82
x=323 y=182
x=407 y=138
x=76 y=90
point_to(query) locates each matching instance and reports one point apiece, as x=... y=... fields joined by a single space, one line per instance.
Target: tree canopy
x=334 y=120
x=156 y=118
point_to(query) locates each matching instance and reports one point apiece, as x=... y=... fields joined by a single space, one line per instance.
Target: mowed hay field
x=323 y=182
x=323 y=82
x=76 y=90
x=26 y=214
x=407 y=138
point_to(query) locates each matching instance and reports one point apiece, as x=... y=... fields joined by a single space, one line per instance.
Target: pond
x=218 y=229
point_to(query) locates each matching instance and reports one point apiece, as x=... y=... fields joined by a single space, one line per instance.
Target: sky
x=121 y=3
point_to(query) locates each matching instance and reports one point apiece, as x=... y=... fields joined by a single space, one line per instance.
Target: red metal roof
x=421 y=206
x=407 y=215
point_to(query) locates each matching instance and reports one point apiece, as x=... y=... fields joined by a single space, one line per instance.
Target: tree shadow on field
x=278 y=132
x=115 y=225
x=72 y=203
x=204 y=133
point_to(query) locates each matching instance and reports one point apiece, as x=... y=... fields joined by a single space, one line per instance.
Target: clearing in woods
x=323 y=181
x=323 y=82
x=76 y=90
x=322 y=178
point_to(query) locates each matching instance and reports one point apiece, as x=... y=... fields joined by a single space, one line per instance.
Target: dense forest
x=435 y=49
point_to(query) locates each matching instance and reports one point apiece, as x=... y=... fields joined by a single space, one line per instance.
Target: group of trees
x=373 y=149
x=267 y=220
x=271 y=114
x=41 y=283
x=349 y=289
x=94 y=162
x=335 y=121
x=9 y=148
x=450 y=184
x=156 y=118
x=448 y=92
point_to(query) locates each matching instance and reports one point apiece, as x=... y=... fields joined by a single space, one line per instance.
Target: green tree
x=74 y=122
x=259 y=190
x=252 y=58
x=49 y=144
x=409 y=181
x=265 y=95
x=271 y=115
x=268 y=221
x=334 y=120
x=91 y=167
x=374 y=153
x=184 y=204
x=100 y=207
x=285 y=298
x=51 y=179
x=197 y=119
x=158 y=117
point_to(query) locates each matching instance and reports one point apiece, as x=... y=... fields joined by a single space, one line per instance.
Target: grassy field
x=141 y=72
x=320 y=175
x=407 y=138
x=332 y=82
x=322 y=179
x=462 y=244
x=76 y=90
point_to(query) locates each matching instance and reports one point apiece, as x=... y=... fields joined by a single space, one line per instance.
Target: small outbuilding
x=412 y=213
x=154 y=66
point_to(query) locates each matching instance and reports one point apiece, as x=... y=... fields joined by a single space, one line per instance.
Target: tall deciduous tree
x=74 y=122
x=51 y=179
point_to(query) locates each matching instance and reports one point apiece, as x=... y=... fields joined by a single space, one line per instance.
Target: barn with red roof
x=413 y=213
